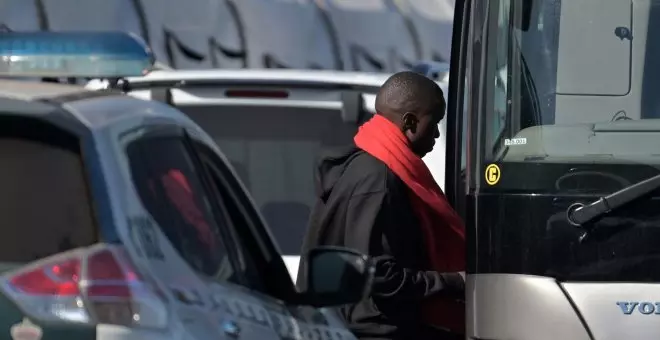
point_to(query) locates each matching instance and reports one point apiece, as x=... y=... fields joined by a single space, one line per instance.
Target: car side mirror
x=337 y=276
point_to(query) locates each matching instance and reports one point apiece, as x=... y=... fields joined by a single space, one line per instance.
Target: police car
x=272 y=125
x=121 y=218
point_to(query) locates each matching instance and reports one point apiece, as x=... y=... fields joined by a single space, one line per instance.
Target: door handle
x=231 y=328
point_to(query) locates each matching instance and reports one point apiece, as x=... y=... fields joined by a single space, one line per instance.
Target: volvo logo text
x=643 y=307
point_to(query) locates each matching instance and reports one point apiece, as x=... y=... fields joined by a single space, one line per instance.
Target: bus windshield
x=560 y=108
x=570 y=82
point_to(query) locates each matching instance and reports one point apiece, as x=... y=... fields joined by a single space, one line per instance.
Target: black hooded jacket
x=363 y=205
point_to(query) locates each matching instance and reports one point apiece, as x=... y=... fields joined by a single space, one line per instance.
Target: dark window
x=260 y=263
x=44 y=199
x=228 y=205
x=170 y=189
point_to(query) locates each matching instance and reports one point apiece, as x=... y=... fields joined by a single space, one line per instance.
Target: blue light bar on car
x=74 y=54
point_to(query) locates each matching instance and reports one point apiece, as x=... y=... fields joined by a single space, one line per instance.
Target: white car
x=122 y=219
x=272 y=124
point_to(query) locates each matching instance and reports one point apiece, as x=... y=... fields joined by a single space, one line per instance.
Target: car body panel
x=13 y=316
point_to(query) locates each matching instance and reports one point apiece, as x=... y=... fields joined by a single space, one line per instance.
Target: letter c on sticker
x=492 y=174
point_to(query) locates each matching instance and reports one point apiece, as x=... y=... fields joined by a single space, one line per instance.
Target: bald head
x=416 y=104
x=408 y=92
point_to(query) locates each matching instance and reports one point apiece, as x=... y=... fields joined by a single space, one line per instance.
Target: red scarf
x=442 y=227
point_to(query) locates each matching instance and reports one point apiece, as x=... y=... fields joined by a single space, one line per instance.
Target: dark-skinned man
x=378 y=197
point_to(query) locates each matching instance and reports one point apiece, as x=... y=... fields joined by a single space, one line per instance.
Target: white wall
x=432 y=21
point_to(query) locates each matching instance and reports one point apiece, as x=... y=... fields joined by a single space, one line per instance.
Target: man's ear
x=410 y=121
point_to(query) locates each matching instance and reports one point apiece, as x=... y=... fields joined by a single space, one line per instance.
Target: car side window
x=171 y=190
x=242 y=216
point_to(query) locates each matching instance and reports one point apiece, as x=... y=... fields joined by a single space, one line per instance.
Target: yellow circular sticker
x=492 y=174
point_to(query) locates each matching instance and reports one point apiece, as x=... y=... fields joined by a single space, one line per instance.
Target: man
x=378 y=197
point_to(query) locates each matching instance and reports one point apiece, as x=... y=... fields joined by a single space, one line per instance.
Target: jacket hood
x=331 y=167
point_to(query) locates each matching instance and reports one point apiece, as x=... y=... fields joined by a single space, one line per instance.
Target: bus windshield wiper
x=579 y=214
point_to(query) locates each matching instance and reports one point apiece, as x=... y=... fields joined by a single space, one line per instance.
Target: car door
x=177 y=232
x=242 y=298
x=264 y=276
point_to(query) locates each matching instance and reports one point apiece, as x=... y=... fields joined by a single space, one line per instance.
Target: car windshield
x=274 y=151
x=570 y=82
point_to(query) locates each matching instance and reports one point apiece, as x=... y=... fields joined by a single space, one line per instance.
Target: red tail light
x=53 y=279
x=94 y=285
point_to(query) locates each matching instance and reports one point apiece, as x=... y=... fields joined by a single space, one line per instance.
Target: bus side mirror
x=352 y=106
